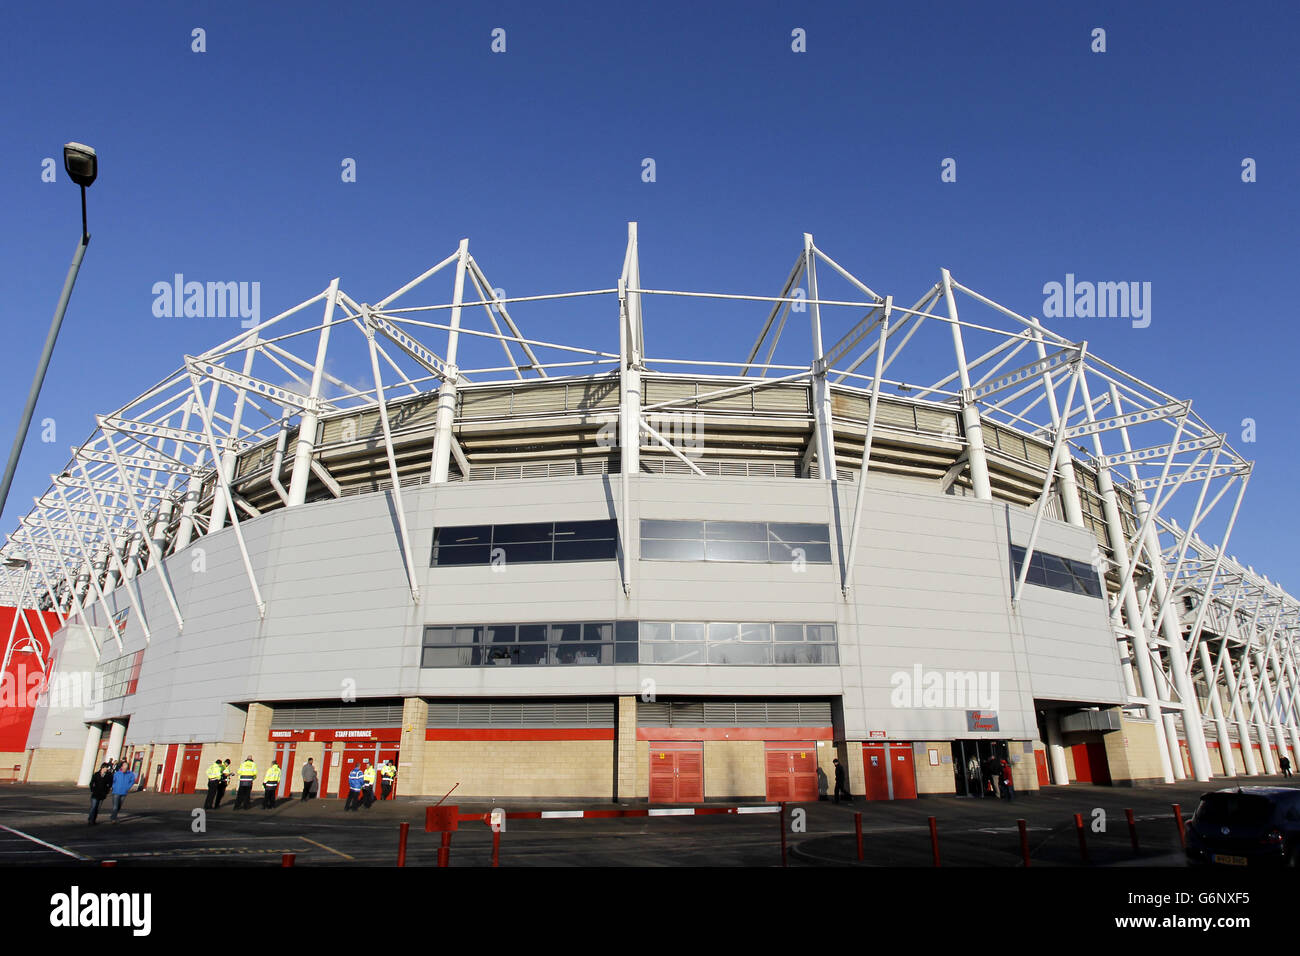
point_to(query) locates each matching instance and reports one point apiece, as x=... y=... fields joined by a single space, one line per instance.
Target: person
x=1286 y=766
x=355 y=779
x=227 y=772
x=100 y=786
x=1008 y=787
x=247 y=774
x=841 y=781
x=991 y=771
x=368 y=785
x=123 y=780
x=215 y=773
x=308 y=779
x=270 y=784
x=388 y=773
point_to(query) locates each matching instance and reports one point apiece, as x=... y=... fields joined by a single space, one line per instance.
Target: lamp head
x=81 y=164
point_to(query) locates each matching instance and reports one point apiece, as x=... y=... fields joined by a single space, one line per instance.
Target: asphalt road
x=45 y=825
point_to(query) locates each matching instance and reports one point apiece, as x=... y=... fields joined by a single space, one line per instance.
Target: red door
x=902 y=772
x=676 y=772
x=1099 y=764
x=792 y=771
x=359 y=754
x=1082 y=769
x=1040 y=762
x=169 y=768
x=875 y=765
x=189 y=768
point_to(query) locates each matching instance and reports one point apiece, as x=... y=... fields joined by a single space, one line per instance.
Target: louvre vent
x=312 y=717
x=521 y=714
x=734 y=713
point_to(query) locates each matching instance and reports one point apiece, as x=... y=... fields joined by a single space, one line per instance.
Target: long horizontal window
x=760 y=542
x=628 y=642
x=541 y=543
x=1057 y=573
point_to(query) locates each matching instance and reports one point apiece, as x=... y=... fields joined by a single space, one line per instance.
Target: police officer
x=355 y=780
x=270 y=783
x=368 y=776
x=387 y=774
x=227 y=772
x=247 y=774
x=215 y=773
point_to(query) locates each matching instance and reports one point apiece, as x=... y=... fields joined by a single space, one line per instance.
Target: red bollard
x=496 y=847
x=934 y=839
x=1024 y=841
x=1178 y=819
x=287 y=859
x=857 y=826
x=403 y=831
x=444 y=851
x=1083 y=840
x=1132 y=829
x=782 y=816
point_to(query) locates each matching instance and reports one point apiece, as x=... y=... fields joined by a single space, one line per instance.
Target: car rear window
x=1242 y=809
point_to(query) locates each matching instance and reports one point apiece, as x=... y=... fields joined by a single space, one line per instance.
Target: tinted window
x=1242 y=809
x=672 y=529
x=516 y=533
x=664 y=550
x=585 y=550
x=799 y=532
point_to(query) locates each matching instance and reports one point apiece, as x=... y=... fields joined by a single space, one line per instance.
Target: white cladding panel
x=931 y=590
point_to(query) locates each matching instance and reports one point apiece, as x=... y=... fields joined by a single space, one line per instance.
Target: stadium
x=929 y=536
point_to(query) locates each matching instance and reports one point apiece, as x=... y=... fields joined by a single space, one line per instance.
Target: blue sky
x=225 y=165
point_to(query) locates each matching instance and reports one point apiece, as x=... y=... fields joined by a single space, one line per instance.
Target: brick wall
x=411 y=756
x=519 y=768
x=735 y=768
x=934 y=779
x=1132 y=753
x=54 y=765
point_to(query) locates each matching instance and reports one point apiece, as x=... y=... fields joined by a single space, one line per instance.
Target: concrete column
x=1216 y=711
x=1055 y=749
x=116 y=734
x=1288 y=671
x=1270 y=698
x=185 y=530
x=1265 y=747
x=440 y=465
x=625 y=755
x=132 y=560
x=94 y=733
x=976 y=458
x=159 y=533
x=113 y=576
x=411 y=759
x=1239 y=716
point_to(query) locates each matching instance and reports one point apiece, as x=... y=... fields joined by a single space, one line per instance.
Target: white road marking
x=57 y=849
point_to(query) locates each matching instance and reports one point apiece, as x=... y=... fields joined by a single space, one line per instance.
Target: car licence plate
x=1230 y=860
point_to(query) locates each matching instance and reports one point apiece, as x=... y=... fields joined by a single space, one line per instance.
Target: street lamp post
x=82 y=167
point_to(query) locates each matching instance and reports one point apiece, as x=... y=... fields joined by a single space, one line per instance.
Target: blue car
x=1246 y=826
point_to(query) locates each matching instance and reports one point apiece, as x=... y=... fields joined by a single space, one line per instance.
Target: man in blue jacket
x=123 y=780
x=355 y=779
